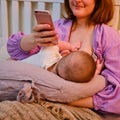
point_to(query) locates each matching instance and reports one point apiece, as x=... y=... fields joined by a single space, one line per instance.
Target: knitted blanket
x=13 y=110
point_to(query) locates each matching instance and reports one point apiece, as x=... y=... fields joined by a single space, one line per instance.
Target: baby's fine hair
x=78 y=66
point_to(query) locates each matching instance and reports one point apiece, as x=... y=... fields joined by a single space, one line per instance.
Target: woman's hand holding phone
x=44 y=33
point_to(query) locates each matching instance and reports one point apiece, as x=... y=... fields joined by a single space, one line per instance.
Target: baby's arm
x=63 y=45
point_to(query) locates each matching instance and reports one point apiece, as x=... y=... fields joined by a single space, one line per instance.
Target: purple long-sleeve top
x=106 y=45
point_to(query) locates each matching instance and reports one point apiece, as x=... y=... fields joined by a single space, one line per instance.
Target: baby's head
x=77 y=66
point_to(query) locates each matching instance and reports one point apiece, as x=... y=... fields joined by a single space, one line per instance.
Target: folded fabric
x=14 y=74
x=29 y=93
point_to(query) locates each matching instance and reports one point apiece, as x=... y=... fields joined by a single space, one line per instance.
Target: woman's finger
x=42 y=27
x=43 y=34
x=46 y=40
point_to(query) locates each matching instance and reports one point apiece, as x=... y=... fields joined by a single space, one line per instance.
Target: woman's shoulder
x=106 y=29
x=63 y=27
x=62 y=21
x=106 y=36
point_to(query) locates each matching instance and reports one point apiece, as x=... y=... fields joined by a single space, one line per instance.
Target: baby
x=77 y=66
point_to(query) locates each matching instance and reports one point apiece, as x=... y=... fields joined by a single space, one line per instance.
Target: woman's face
x=82 y=8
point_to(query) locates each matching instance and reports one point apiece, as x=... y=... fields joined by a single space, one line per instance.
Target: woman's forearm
x=84 y=102
x=14 y=48
x=97 y=84
x=27 y=42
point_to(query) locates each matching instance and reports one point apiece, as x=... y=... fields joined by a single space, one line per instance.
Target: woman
x=85 y=24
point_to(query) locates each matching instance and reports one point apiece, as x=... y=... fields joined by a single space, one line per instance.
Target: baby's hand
x=76 y=46
x=71 y=49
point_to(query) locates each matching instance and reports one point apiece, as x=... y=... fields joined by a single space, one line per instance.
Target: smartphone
x=43 y=17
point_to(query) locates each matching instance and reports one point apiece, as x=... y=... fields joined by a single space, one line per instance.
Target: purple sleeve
x=14 y=49
x=107 y=46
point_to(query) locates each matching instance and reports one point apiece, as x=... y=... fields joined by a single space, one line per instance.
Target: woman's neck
x=81 y=24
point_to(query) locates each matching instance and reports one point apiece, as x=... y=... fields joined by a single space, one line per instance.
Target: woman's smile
x=78 y=5
x=82 y=8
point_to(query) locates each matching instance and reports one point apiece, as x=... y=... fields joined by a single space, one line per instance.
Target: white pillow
x=3 y=49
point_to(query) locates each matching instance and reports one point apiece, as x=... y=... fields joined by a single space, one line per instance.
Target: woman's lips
x=79 y=6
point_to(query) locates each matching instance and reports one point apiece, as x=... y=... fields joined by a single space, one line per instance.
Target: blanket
x=13 y=110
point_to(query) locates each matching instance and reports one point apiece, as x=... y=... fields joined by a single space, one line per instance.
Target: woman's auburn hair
x=102 y=13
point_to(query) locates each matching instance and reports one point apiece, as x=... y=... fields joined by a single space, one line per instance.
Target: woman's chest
x=85 y=40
